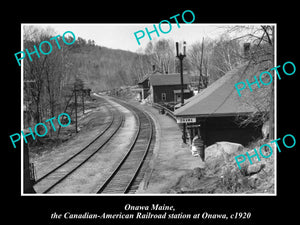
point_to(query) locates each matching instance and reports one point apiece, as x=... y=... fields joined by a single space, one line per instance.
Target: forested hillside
x=102 y=68
x=49 y=79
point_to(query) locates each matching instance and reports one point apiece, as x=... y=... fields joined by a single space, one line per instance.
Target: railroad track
x=56 y=176
x=127 y=175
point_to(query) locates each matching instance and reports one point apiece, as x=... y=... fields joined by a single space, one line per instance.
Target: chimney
x=153 y=68
x=247 y=50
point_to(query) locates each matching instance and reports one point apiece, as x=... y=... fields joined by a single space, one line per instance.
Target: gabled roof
x=221 y=97
x=147 y=76
x=168 y=79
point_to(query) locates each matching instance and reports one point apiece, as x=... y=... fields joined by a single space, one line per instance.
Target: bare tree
x=225 y=56
x=162 y=55
x=198 y=56
x=46 y=75
x=262 y=57
x=141 y=66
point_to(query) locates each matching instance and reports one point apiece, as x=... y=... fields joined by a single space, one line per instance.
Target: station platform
x=171 y=158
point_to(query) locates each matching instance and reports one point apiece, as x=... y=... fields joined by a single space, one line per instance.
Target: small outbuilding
x=144 y=86
x=164 y=88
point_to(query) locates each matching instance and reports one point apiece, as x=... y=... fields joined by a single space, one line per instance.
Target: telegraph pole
x=82 y=99
x=76 y=110
x=201 y=63
x=181 y=56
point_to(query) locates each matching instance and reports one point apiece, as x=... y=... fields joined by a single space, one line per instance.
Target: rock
x=230 y=147
x=244 y=171
x=254 y=181
x=213 y=154
x=198 y=172
x=254 y=159
x=221 y=152
x=255 y=168
x=205 y=185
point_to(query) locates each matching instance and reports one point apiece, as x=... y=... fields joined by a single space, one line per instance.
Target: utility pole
x=82 y=99
x=75 y=110
x=181 y=56
x=201 y=63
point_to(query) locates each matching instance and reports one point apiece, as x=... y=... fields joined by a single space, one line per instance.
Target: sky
x=121 y=36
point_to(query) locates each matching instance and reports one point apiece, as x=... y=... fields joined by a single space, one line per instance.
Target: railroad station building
x=164 y=88
x=167 y=88
x=215 y=112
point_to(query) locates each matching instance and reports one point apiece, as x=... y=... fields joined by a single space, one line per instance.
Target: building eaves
x=221 y=97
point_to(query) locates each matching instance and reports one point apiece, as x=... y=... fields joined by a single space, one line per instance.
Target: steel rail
x=143 y=159
x=111 y=176
x=132 y=146
x=87 y=158
x=79 y=152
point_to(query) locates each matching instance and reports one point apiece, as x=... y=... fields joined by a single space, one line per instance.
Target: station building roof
x=158 y=79
x=221 y=97
x=168 y=79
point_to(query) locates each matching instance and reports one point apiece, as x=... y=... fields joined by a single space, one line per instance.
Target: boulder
x=221 y=152
x=230 y=147
x=254 y=159
x=254 y=181
x=255 y=168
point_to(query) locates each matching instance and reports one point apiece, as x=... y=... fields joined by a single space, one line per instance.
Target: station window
x=163 y=96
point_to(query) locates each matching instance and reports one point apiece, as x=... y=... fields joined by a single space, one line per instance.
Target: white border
x=124 y=195
x=22 y=117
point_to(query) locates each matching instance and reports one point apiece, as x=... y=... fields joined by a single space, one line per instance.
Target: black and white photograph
x=146 y=113
x=179 y=113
